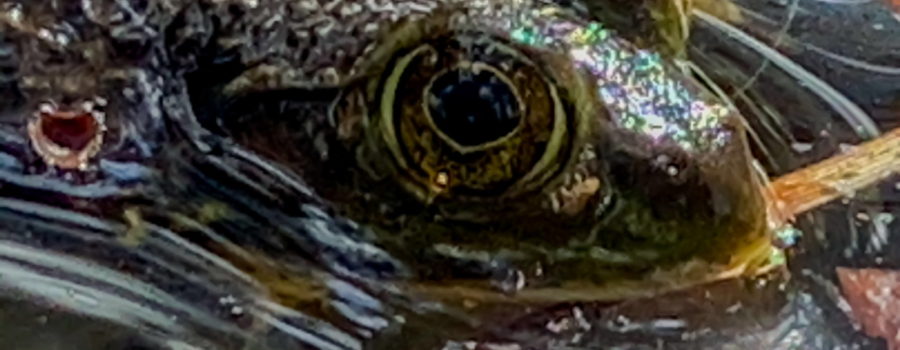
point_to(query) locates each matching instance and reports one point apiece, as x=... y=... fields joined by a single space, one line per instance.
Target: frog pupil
x=473 y=107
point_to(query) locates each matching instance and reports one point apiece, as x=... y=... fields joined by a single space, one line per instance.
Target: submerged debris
x=874 y=298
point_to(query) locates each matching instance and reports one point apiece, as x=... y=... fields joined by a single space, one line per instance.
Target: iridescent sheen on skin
x=635 y=85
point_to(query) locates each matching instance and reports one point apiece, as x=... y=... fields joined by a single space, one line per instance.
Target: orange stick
x=835 y=177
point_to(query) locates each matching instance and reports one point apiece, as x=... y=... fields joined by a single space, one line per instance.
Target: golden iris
x=473 y=115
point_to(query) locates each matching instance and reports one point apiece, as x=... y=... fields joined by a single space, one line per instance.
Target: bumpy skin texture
x=233 y=126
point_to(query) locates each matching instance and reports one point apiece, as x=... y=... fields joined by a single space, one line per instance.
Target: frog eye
x=469 y=114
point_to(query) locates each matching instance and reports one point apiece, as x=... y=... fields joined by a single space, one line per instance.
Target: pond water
x=172 y=235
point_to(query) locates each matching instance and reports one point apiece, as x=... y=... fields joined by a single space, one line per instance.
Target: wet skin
x=297 y=141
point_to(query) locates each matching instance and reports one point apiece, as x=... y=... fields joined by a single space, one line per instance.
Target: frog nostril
x=67 y=138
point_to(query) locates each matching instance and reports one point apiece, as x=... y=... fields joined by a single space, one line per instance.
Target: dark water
x=117 y=271
x=848 y=47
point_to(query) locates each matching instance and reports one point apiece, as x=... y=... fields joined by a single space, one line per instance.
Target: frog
x=298 y=157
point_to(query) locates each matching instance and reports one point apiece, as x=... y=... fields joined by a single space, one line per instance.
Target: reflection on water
x=812 y=78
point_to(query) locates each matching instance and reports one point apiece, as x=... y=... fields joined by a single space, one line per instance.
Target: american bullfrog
x=338 y=174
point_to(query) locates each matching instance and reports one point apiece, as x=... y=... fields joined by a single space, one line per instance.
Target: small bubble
x=45 y=34
x=237 y=310
x=579 y=317
x=862 y=216
x=734 y=308
x=557 y=326
x=13 y=12
x=672 y=171
x=668 y=323
x=442 y=179
x=802 y=147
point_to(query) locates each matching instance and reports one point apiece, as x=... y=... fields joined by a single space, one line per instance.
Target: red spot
x=66 y=138
x=74 y=132
x=874 y=298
